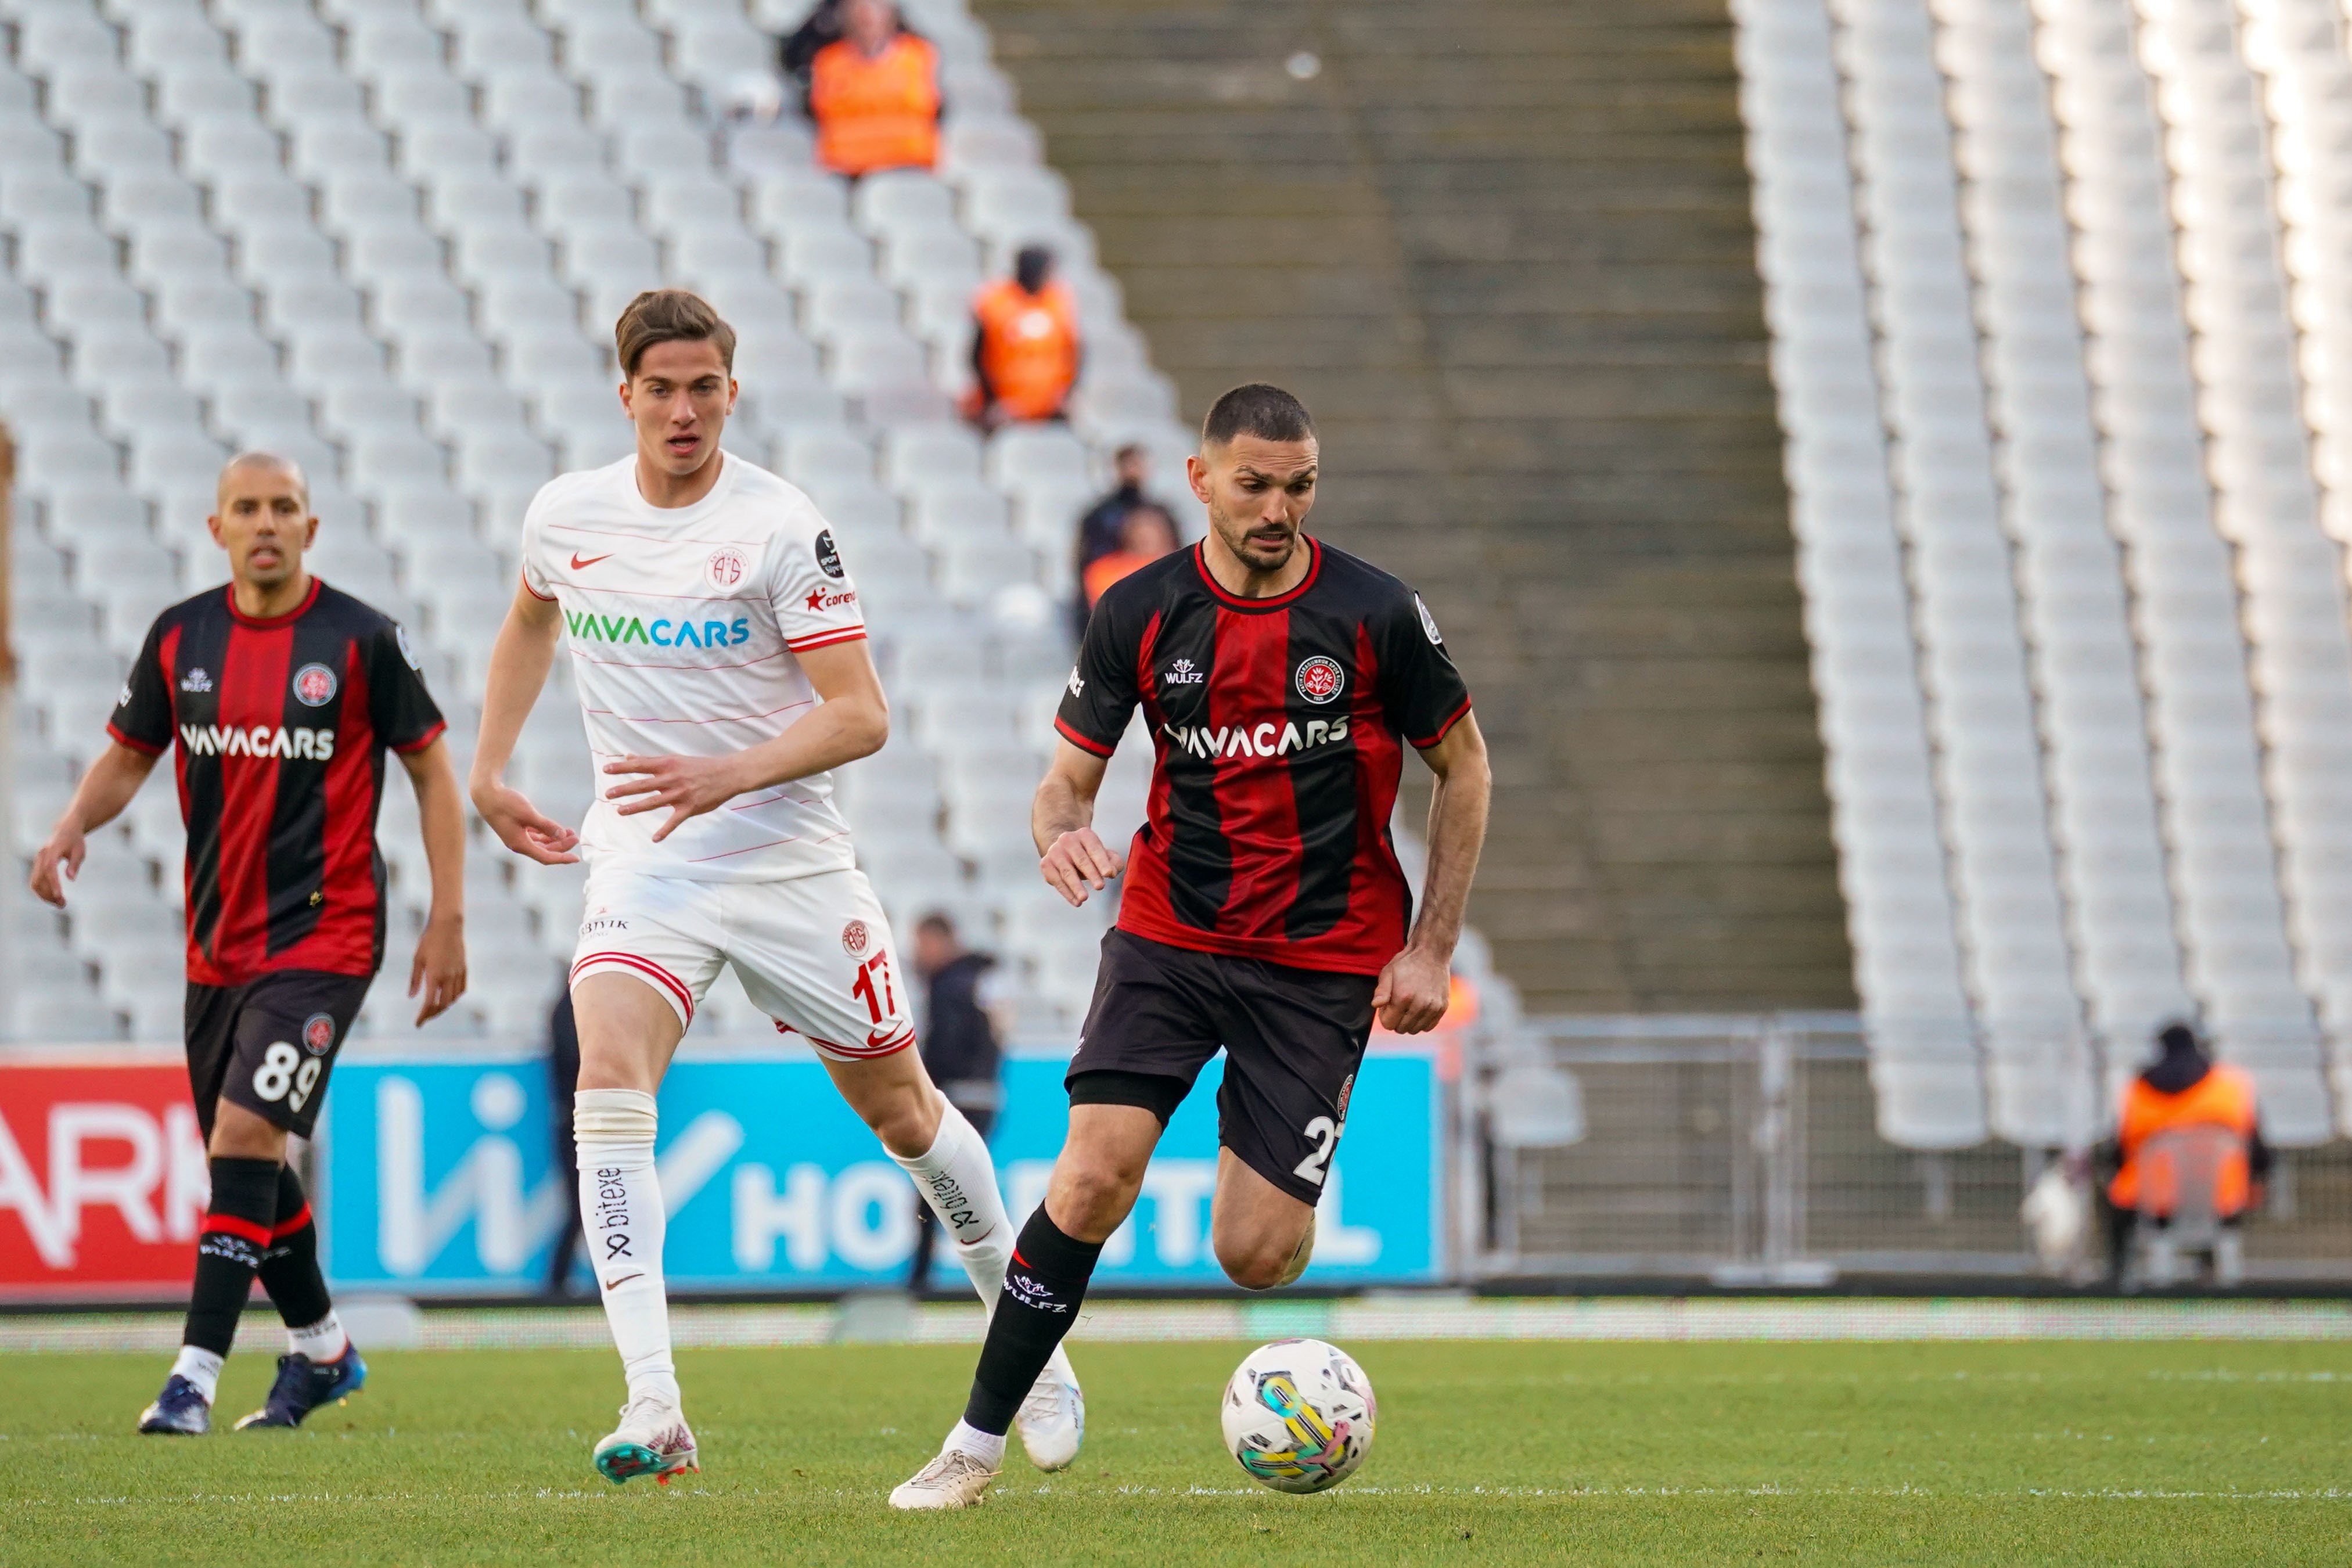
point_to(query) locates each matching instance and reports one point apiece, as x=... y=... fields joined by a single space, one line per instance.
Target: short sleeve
x=1421 y=689
x=142 y=714
x=1100 y=695
x=816 y=602
x=404 y=715
x=534 y=572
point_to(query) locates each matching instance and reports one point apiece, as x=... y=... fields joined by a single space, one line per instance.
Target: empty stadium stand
x=2090 y=299
x=389 y=240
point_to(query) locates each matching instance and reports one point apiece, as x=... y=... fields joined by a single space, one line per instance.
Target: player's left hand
x=687 y=786
x=1413 y=992
x=438 y=971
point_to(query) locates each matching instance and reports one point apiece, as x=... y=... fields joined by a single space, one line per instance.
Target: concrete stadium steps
x=1503 y=250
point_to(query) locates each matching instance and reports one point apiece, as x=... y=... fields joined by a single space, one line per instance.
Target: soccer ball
x=1298 y=1416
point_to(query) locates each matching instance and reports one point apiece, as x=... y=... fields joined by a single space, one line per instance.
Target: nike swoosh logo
x=624 y=1281
x=976 y=1240
x=577 y=564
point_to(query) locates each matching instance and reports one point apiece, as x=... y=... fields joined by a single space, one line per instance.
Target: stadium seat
x=309 y=296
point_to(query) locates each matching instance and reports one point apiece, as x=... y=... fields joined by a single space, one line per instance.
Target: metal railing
x=1744 y=1151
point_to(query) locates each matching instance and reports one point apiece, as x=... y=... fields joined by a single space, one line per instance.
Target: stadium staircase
x=1503 y=250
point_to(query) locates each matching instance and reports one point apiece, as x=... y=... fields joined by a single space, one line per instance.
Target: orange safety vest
x=877 y=113
x=1028 y=346
x=2224 y=1096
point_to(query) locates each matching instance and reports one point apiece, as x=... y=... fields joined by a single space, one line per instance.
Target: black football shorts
x=269 y=1044
x=1292 y=1039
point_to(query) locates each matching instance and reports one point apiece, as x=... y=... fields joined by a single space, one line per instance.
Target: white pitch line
x=1366 y=1320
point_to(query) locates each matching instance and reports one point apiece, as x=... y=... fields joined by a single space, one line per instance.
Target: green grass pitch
x=1486 y=1453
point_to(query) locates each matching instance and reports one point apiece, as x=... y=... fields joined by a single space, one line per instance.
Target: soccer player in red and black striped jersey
x=282 y=695
x=1263 y=910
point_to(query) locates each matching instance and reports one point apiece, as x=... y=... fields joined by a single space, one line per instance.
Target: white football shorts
x=814 y=954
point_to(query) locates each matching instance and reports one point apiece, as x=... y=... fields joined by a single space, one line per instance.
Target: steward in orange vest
x=875 y=95
x=2185 y=1090
x=1025 y=345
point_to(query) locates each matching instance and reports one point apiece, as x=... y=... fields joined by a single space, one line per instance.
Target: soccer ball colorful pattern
x=1298 y=1416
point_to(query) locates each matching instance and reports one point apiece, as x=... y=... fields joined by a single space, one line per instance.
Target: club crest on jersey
x=196 y=680
x=1182 y=673
x=725 y=568
x=854 y=938
x=828 y=559
x=319 y=1034
x=314 y=686
x=1320 y=678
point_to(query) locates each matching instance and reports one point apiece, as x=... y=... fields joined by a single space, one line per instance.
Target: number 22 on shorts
x=279 y=1072
x=1325 y=1134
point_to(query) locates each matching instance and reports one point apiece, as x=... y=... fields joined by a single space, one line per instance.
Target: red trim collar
x=1314 y=570
x=274 y=622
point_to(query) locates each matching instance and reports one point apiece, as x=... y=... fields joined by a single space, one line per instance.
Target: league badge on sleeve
x=828 y=558
x=1428 y=621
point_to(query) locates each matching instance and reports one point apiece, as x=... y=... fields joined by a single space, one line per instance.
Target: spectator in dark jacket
x=563 y=1082
x=1146 y=534
x=1100 y=529
x=798 y=49
x=961 y=1046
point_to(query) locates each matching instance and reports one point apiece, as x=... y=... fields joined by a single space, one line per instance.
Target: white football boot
x=1053 y=1420
x=953 y=1479
x=652 y=1439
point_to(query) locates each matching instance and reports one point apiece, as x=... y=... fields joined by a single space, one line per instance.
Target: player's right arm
x=1096 y=706
x=140 y=727
x=1062 y=821
x=520 y=660
x=99 y=798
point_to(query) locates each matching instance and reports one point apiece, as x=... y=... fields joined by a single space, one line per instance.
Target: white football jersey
x=683 y=625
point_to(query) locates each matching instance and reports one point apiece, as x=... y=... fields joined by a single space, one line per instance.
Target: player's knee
x=1256 y=1263
x=1090 y=1198
x=239 y=1134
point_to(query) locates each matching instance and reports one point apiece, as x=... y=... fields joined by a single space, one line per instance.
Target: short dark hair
x=938 y=920
x=670 y=316
x=1265 y=411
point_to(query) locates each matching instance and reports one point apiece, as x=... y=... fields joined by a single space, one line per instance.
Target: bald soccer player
x=282 y=695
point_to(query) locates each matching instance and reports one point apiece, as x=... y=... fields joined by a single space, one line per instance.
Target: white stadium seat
x=395 y=255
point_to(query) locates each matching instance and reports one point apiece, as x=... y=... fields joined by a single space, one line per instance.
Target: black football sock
x=1043 y=1290
x=289 y=1268
x=235 y=1234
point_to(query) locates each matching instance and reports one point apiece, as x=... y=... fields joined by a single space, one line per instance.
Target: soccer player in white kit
x=723 y=670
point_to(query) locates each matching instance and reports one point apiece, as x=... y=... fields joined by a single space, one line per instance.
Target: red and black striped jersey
x=281 y=726
x=1279 y=728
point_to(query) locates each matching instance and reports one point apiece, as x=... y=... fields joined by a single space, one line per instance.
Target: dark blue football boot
x=180 y=1411
x=304 y=1385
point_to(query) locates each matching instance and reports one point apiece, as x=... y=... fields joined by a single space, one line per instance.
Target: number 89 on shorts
x=287 y=1074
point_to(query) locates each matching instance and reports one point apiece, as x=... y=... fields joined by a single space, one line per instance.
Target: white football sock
x=986 y=1446
x=322 y=1342
x=957 y=1178
x=200 y=1367
x=620 y=1213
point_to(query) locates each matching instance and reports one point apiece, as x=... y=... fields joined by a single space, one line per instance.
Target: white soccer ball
x=1298 y=1416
